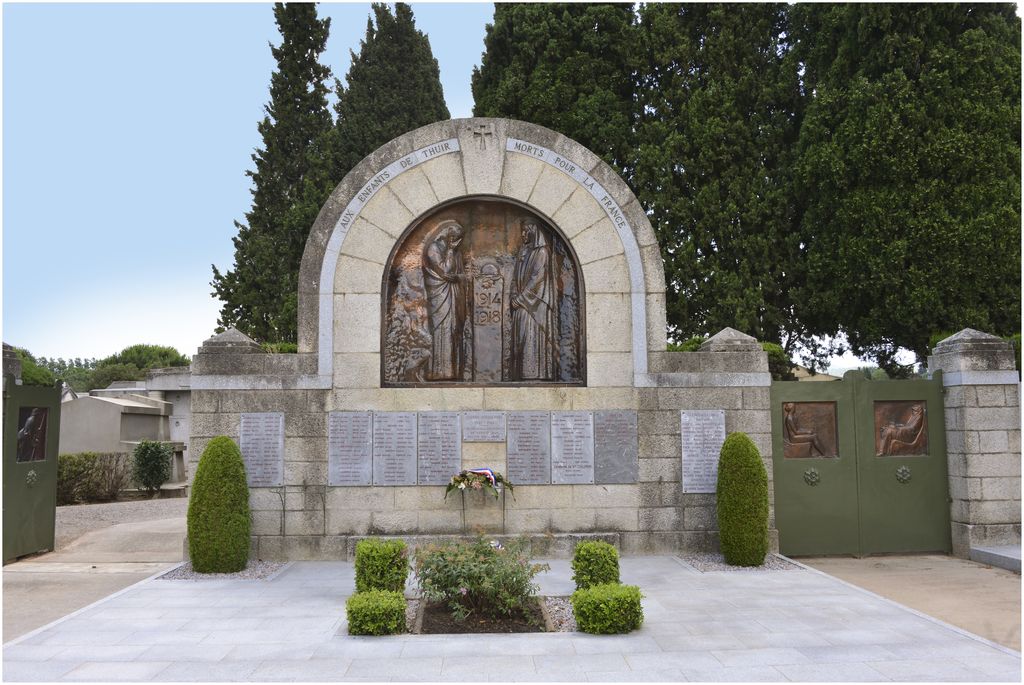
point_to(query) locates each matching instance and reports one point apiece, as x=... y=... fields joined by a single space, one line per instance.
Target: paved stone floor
x=796 y=625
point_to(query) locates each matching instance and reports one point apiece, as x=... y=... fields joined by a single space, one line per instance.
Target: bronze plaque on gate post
x=482 y=292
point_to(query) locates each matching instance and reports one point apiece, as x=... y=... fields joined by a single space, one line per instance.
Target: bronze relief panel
x=901 y=428
x=809 y=430
x=482 y=292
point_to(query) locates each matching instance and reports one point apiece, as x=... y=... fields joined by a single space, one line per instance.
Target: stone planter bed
x=432 y=618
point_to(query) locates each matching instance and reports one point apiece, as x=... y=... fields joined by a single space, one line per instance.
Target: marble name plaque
x=394 y=448
x=261 y=441
x=483 y=426
x=616 y=448
x=440 y=447
x=572 y=447
x=528 y=447
x=702 y=433
x=349 y=448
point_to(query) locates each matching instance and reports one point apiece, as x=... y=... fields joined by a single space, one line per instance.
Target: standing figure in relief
x=445 y=283
x=533 y=312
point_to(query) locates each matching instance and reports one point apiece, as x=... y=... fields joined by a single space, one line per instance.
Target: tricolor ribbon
x=484 y=472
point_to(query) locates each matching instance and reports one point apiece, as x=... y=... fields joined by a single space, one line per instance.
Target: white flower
x=462 y=486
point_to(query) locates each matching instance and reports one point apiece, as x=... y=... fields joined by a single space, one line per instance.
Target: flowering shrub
x=482 y=577
x=479 y=479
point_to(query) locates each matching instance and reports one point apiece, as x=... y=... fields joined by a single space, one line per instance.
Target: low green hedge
x=381 y=565
x=595 y=563
x=376 y=612
x=608 y=608
x=152 y=464
x=91 y=476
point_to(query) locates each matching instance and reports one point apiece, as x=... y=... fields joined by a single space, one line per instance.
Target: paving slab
x=716 y=626
x=977 y=597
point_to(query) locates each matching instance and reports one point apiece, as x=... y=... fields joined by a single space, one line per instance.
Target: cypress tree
x=290 y=181
x=719 y=97
x=394 y=86
x=910 y=166
x=566 y=66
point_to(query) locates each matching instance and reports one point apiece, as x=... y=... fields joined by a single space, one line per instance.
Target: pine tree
x=910 y=166
x=566 y=66
x=290 y=181
x=394 y=86
x=719 y=96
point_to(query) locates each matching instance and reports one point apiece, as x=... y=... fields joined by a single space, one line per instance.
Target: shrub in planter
x=381 y=565
x=608 y=608
x=595 y=563
x=742 y=493
x=376 y=612
x=482 y=577
x=152 y=465
x=218 y=510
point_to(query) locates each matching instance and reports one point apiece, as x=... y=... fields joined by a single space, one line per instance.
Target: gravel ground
x=257 y=569
x=560 y=611
x=76 y=520
x=714 y=561
x=411 y=606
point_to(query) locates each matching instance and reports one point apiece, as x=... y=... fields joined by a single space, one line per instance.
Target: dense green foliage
x=594 y=563
x=909 y=164
x=742 y=498
x=151 y=464
x=77 y=372
x=92 y=476
x=483 y=577
x=218 y=510
x=381 y=565
x=814 y=172
x=714 y=152
x=608 y=608
x=130 y=364
x=393 y=87
x=779 y=364
x=259 y=292
x=691 y=344
x=376 y=612
x=31 y=372
x=564 y=66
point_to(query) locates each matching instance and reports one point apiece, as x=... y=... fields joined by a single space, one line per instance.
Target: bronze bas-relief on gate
x=482 y=292
x=809 y=430
x=901 y=428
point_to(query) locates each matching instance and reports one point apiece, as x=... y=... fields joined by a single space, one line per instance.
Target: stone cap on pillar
x=973 y=357
x=231 y=341
x=730 y=340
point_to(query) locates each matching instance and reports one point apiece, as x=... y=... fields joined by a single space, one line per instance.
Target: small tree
x=742 y=502
x=152 y=465
x=218 y=510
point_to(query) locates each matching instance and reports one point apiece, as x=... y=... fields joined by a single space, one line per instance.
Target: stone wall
x=338 y=367
x=982 y=400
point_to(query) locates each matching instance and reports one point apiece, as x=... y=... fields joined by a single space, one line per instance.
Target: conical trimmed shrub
x=742 y=502
x=218 y=510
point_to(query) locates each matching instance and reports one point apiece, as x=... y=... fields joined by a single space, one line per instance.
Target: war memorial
x=487 y=293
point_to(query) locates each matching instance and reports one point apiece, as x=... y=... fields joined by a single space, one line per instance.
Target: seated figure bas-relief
x=482 y=292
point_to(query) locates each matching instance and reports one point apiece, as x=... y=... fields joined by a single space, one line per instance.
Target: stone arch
x=550 y=174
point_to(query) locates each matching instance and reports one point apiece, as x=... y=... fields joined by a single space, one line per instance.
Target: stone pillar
x=982 y=402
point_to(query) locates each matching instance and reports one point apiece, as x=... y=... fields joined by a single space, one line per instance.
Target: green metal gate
x=860 y=466
x=31 y=418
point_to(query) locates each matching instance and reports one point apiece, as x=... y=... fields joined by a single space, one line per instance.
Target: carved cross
x=481 y=132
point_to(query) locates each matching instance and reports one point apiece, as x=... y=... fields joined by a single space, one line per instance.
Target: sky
x=127 y=132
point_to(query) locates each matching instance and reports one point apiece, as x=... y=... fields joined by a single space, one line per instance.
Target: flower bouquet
x=478 y=479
